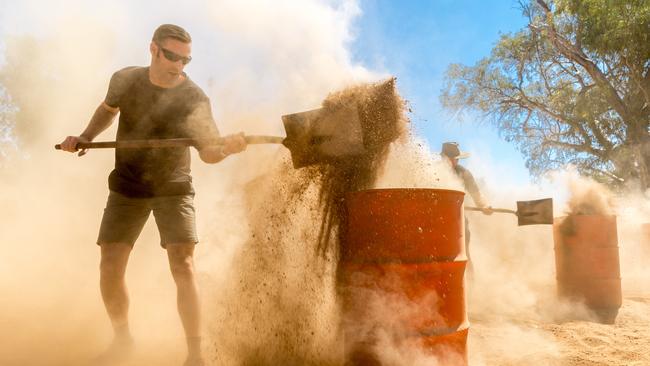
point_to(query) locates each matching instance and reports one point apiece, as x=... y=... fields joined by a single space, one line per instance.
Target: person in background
x=452 y=154
x=155 y=102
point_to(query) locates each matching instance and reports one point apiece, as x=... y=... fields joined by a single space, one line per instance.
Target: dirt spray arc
x=281 y=306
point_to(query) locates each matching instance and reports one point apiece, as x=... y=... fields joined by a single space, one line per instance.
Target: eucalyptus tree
x=572 y=87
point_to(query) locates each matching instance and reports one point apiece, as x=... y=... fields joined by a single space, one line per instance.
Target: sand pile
x=530 y=341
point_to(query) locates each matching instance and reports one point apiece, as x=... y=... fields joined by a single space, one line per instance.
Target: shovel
x=537 y=212
x=313 y=137
x=318 y=136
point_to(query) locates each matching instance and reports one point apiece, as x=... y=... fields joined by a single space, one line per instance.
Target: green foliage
x=610 y=27
x=571 y=88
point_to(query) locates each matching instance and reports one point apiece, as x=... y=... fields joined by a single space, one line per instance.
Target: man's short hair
x=166 y=31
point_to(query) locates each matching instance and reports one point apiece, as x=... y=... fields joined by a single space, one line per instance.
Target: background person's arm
x=472 y=188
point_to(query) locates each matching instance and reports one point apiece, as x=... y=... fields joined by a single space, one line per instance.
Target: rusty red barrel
x=587 y=262
x=401 y=273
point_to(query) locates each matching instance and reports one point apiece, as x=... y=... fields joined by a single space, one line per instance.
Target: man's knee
x=113 y=259
x=183 y=271
x=181 y=261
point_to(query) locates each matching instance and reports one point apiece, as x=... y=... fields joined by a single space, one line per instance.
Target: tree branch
x=573 y=53
x=576 y=147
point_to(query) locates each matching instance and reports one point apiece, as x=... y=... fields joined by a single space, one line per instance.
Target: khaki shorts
x=124 y=217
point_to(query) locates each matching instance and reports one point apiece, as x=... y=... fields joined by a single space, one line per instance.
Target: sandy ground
x=494 y=341
x=572 y=343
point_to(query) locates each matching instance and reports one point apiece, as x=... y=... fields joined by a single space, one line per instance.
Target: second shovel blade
x=537 y=212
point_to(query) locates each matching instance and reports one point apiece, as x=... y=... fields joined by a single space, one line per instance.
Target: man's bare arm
x=232 y=144
x=100 y=121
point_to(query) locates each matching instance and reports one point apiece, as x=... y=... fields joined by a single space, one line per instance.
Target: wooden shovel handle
x=502 y=210
x=132 y=144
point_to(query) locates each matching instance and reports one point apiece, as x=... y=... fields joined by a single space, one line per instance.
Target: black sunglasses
x=173 y=57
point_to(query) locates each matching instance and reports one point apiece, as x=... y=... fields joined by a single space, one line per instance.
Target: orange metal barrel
x=402 y=272
x=587 y=262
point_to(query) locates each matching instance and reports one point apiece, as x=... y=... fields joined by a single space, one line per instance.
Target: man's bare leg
x=112 y=269
x=181 y=263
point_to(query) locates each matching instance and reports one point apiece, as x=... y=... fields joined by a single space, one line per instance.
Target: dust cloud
x=588 y=197
x=278 y=305
x=7 y=135
x=268 y=292
x=410 y=164
x=56 y=65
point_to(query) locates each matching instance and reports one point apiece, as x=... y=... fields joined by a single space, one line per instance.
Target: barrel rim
x=408 y=261
x=580 y=215
x=406 y=190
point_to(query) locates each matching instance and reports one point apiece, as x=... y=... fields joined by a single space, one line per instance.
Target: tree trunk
x=643 y=158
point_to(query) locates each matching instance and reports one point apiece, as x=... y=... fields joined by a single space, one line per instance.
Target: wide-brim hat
x=452 y=151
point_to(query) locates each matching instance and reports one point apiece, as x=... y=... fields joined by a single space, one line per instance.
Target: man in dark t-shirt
x=155 y=102
x=451 y=152
x=148 y=111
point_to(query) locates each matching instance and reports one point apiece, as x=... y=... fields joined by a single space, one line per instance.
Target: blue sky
x=416 y=41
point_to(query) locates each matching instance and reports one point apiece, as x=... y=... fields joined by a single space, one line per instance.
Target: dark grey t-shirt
x=151 y=112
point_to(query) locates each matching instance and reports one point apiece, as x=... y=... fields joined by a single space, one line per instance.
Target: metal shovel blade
x=537 y=212
x=323 y=135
